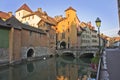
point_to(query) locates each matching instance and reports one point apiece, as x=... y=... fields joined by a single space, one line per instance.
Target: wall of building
x=4 y=38
x=32 y=20
x=21 y=13
x=95 y=38
x=35 y=41
x=68 y=26
x=17 y=45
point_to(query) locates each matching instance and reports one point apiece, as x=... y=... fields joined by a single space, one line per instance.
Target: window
x=19 y=13
x=68 y=23
x=40 y=35
x=74 y=19
x=63 y=35
x=28 y=18
x=33 y=17
x=30 y=33
x=68 y=30
x=68 y=15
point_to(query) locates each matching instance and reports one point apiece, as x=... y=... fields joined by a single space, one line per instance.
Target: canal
x=55 y=68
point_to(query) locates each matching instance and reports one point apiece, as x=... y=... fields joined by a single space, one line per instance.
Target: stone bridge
x=77 y=52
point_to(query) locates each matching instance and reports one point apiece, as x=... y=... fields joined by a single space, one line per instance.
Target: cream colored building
x=38 y=19
x=25 y=15
x=89 y=38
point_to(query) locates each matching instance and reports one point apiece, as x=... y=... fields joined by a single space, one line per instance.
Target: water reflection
x=60 y=68
x=30 y=67
x=69 y=68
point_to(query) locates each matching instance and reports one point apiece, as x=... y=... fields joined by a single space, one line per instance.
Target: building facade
x=38 y=19
x=22 y=41
x=89 y=37
x=67 y=29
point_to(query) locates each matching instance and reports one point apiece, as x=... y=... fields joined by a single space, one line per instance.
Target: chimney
x=10 y=14
x=39 y=9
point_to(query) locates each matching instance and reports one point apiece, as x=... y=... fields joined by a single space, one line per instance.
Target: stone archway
x=30 y=52
x=63 y=45
x=87 y=55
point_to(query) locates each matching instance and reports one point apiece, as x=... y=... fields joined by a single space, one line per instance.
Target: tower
x=72 y=26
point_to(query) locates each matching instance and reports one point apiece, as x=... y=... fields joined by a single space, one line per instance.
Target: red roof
x=4 y=15
x=70 y=8
x=24 y=7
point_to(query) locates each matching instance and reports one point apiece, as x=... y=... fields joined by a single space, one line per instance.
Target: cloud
x=111 y=32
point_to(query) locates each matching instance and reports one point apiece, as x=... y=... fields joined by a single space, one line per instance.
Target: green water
x=68 y=68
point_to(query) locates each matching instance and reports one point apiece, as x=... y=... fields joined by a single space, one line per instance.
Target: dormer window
x=33 y=17
x=68 y=15
x=19 y=13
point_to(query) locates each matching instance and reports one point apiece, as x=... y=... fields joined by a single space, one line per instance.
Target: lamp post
x=98 y=24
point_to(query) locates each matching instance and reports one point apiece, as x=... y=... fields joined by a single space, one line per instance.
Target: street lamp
x=98 y=24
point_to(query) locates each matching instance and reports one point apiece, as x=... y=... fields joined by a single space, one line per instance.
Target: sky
x=87 y=11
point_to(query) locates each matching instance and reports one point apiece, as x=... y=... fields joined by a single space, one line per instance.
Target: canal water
x=55 y=68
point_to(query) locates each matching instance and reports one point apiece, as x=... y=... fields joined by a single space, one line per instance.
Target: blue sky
x=87 y=10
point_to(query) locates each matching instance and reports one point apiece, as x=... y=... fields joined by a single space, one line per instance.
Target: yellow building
x=67 y=29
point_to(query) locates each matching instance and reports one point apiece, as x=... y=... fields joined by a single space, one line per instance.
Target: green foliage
x=95 y=60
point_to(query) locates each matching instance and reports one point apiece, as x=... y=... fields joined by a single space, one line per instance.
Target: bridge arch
x=30 y=52
x=68 y=53
x=63 y=45
x=87 y=55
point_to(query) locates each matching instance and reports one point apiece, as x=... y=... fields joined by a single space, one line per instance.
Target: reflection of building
x=67 y=28
x=67 y=70
x=37 y=70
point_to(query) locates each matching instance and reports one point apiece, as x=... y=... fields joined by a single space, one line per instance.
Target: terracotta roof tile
x=4 y=15
x=44 y=17
x=24 y=7
x=70 y=8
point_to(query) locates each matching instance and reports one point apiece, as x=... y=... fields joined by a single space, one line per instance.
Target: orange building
x=67 y=29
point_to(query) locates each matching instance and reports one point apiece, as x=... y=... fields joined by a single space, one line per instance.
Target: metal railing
x=98 y=70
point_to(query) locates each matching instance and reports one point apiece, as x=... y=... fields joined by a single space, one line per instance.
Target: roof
x=24 y=7
x=4 y=15
x=13 y=22
x=18 y=25
x=116 y=38
x=83 y=24
x=61 y=20
x=44 y=17
x=70 y=8
x=2 y=23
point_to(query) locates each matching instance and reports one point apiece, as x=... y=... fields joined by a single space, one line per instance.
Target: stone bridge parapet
x=77 y=52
